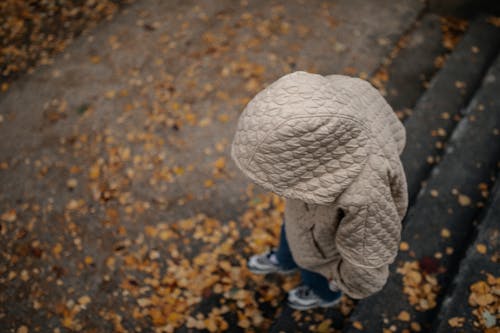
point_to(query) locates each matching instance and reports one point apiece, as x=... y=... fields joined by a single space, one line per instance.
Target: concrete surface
x=123 y=133
x=437 y=111
x=474 y=267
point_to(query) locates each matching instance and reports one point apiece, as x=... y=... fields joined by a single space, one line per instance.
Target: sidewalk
x=120 y=209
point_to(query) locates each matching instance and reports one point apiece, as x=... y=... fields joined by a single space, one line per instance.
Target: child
x=330 y=146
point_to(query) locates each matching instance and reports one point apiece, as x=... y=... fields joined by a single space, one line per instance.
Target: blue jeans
x=317 y=282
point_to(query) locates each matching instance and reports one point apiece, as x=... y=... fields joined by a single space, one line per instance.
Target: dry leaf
x=9 y=216
x=325 y=326
x=22 y=329
x=494 y=20
x=404 y=316
x=220 y=163
x=456 y=321
x=404 y=246
x=481 y=248
x=71 y=183
x=94 y=172
x=84 y=300
x=57 y=249
x=95 y=59
x=415 y=326
x=464 y=200
x=357 y=325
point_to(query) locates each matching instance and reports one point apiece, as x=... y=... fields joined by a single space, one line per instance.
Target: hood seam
x=353 y=119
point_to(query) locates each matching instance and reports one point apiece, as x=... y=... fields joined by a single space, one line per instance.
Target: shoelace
x=304 y=291
x=269 y=254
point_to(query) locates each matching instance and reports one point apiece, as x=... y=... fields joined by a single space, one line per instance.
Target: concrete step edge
x=455 y=301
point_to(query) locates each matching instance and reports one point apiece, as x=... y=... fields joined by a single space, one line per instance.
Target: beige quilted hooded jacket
x=330 y=146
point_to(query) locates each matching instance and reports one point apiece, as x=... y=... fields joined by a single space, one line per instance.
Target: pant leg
x=283 y=253
x=319 y=284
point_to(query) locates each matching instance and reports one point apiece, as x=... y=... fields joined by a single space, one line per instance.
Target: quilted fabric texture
x=329 y=145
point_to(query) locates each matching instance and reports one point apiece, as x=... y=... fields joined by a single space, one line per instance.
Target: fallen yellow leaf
x=464 y=200
x=456 y=321
x=481 y=248
x=357 y=325
x=404 y=316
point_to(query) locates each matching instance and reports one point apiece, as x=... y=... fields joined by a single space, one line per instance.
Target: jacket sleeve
x=366 y=248
x=358 y=282
x=368 y=236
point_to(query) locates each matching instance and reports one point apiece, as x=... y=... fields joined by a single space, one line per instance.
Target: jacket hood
x=308 y=137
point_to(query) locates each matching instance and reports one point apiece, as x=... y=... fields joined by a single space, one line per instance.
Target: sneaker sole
x=308 y=307
x=264 y=272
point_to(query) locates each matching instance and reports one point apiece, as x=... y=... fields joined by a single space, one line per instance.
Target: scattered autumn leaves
x=484 y=298
x=31 y=32
x=217 y=271
x=452 y=31
x=420 y=286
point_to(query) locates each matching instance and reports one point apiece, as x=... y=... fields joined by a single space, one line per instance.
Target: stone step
x=483 y=258
x=438 y=110
x=439 y=226
x=414 y=63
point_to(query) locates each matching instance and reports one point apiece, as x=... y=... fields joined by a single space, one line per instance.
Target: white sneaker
x=304 y=298
x=265 y=263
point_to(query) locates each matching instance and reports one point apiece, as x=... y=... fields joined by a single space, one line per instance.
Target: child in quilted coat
x=330 y=146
